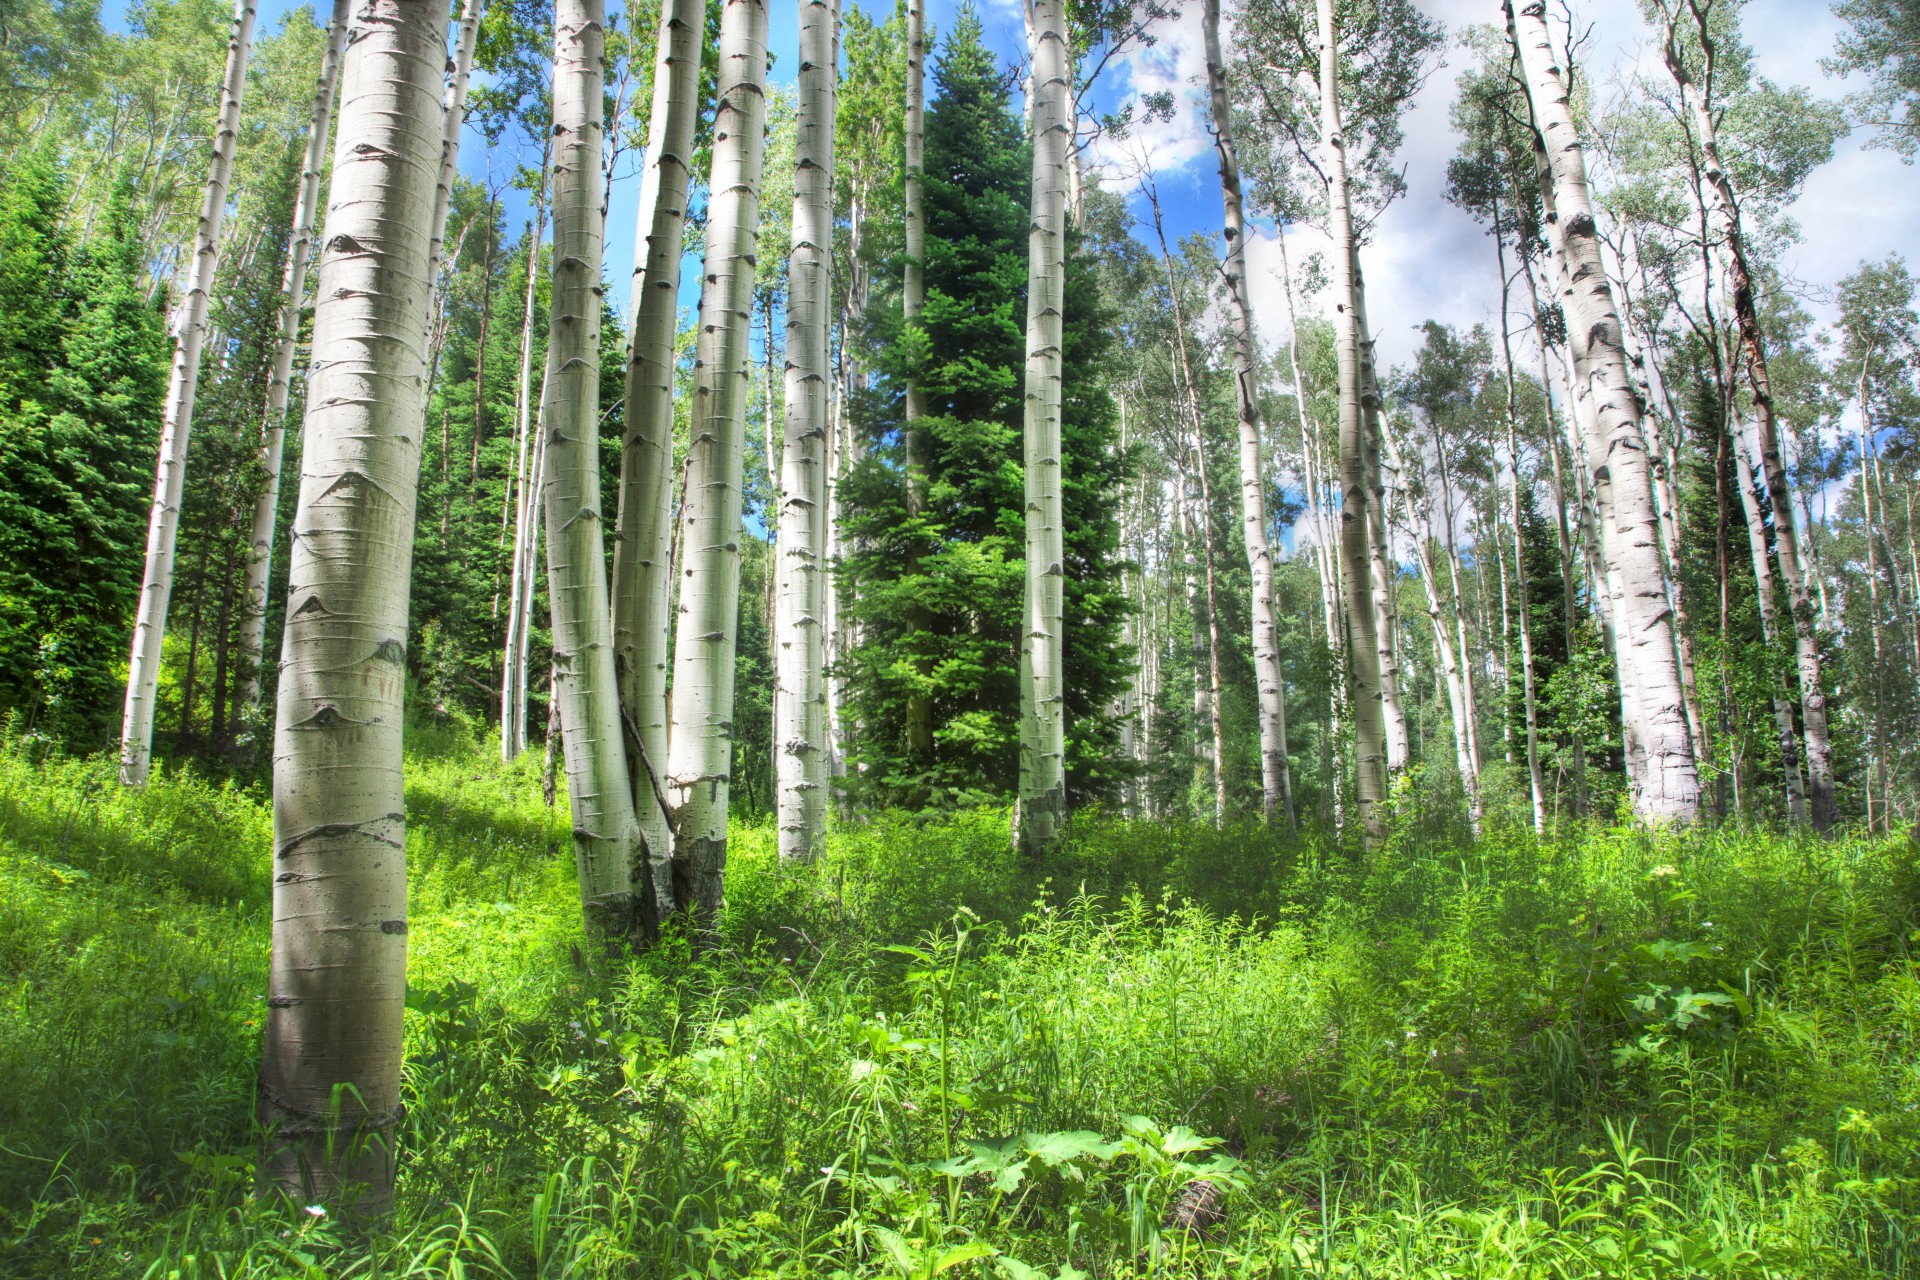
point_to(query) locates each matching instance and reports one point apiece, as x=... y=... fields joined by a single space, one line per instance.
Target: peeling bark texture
x=1276 y=788
x=1668 y=787
x=170 y=478
x=642 y=576
x=606 y=836
x=700 y=762
x=1042 y=809
x=800 y=689
x=1363 y=654
x=1723 y=210
x=330 y=1070
x=293 y=287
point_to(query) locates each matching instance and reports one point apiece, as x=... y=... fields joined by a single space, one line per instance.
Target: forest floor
x=1167 y=1051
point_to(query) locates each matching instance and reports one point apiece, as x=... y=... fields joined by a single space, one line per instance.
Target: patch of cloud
x=1175 y=64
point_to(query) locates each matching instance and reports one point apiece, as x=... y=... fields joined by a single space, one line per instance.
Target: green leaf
x=1058 y=1148
x=963 y=1253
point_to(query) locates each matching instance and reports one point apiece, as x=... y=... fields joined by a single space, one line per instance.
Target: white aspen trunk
x=1386 y=569
x=1043 y=752
x=913 y=300
x=1323 y=558
x=527 y=449
x=800 y=692
x=700 y=761
x=1206 y=764
x=606 y=835
x=1755 y=524
x=329 y=1084
x=1723 y=211
x=1469 y=705
x=1363 y=653
x=1536 y=782
x=1269 y=679
x=169 y=486
x=293 y=286
x=454 y=107
x=1669 y=790
x=642 y=572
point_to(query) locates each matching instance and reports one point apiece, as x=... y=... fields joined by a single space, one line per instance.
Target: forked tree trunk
x=1651 y=690
x=700 y=763
x=169 y=486
x=1363 y=654
x=1043 y=749
x=800 y=691
x=293 y=287
x=642 y=574
x=606 y=836
x=1276 y=788
x=330 y=1071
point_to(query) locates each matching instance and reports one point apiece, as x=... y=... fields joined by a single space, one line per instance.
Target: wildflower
x=317 y=1210
x=1663 y=871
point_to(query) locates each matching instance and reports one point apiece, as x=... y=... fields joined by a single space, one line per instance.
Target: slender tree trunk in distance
x=1649 y=669
x=454 y=118
x=293 y=287
x=913 y=300
x=1386 y=569
x=1269 y=680
x=1203 y=522
x=329 y=1084
x=1763 y=585
x=169 y=486
x=527 y=451
x=1206 y=765
x=1043 y=750
x=800 y=692
x=642 y=572
x=700 y=763
x=1363 y=653
x=1536 y=783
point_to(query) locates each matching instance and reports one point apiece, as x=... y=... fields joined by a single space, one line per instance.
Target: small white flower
x=317 y=1210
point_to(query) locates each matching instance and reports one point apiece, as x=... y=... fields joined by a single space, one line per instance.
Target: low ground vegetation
x=1163 y=1051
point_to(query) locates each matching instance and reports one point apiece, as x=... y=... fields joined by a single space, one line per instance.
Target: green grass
x=1166 y=1051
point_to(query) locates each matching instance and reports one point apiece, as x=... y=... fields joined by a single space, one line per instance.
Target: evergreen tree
x=966 y=546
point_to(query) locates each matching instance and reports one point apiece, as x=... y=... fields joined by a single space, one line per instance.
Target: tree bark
x=169 y=486
x=1651 y=690
x=1536 y=782
x=330 y=1071
x=1043 y=752
x=913 y=300
x=528 y=448
x=1763 y=586
x=1386 y=569
x=800 y=693
x=700 y=763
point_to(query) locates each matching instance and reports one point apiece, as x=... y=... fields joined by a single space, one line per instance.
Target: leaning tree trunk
x=1043 y=749
x=642 y=576
x=330 y=1071
x=1363 y=655
x=293 y=285
x=1723 y=208
x=800 y=693
x=169 y=486
x=913 y=300
x=700 y=765
x=1650 y=680
x=606 y=836
x=1276 y=788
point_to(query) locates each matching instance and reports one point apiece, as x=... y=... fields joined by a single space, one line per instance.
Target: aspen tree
x=1652 y=696
x=1386 y=569
x=700 y=762
x=913 y=300
x=454 y=109
x=330 y=1071
x=529 y=442
x=1755 y=524
x=1536 y=783
x=1363 y=654
x=642 y=576
x=169 y=486
x=800 y=695
x=1043 y=781
x=1276 y=787
x=293 y=287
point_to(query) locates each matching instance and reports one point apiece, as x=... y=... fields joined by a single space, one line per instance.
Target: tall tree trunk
x=528 y=446
x=169 y=486
x=1650 y=673
x=800 y=693
x=1206 y=760
x=700 y=763
x=1268 y=678
x=1536 y=783
x=606 y=835
x=913 y=300
x=642 y=574
x=480 y=362
x=1763 y=585
x=1043 y=748
x=293 y=287
x=330 y=1070
x=1386 y=569
x=1363 y=653
x=1877 y=753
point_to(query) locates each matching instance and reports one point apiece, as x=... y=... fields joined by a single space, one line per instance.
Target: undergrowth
x=1167 y=1050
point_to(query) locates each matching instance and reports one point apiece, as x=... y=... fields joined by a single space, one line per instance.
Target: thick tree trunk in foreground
x=1043 y=750
x=293 y=286
x=330 y=1070
x=700 y=763
x=800 y=691
x=1363 y=654
x=1669 y=789
x=642 y=576
x=606 y=836
x=169 y=486
x=1276 y=788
